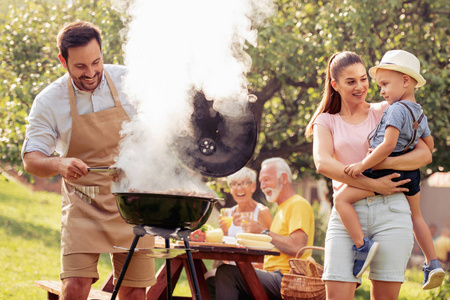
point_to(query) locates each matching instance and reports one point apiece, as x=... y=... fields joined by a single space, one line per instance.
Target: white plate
x=229 y=240
x=260 y=248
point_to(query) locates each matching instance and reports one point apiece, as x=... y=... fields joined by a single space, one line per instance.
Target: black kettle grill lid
x=217 y=145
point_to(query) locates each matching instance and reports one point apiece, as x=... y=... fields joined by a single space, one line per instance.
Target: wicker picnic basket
x=304 y=280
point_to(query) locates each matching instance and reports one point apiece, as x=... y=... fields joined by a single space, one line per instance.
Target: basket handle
x=300 y=252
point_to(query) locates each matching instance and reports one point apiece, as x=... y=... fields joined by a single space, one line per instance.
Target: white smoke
x=173 y=47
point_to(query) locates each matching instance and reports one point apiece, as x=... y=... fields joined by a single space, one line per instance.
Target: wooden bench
x=53 y=289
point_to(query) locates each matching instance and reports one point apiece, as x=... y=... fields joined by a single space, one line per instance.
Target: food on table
x=254 y=237
x=254 y=240
x=214 y=235
x=255 y=244
x=198 y=236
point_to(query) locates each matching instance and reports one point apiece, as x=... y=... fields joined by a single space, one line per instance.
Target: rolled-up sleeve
x=50 y=120
x=41 y=133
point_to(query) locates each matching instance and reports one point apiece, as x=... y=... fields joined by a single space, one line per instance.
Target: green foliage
x=411 y=288
x=443 y=292
x=291 y=57
x=288 y=63
x=30 y=243
x=29 y=60
x=321 y=223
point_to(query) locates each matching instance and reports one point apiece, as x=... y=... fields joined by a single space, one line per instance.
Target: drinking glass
x=225 y=214
x=246 y=216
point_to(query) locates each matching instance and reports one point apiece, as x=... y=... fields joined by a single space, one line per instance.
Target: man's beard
x=275 y=193
x=80 y=83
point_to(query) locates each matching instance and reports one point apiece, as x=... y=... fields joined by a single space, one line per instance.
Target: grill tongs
x=113 y=171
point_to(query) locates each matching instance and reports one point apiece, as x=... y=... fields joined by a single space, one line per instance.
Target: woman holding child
x=344 y=120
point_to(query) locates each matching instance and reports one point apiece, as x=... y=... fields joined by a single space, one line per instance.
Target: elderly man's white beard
x=275 y=193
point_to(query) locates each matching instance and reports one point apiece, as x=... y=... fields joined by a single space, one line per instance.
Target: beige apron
x=90 y=221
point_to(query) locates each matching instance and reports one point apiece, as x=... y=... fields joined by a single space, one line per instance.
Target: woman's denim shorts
x=384 y=219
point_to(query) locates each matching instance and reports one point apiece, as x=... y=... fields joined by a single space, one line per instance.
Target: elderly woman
x=242 y=185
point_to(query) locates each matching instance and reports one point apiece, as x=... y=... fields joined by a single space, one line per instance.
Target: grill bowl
x=164 y=210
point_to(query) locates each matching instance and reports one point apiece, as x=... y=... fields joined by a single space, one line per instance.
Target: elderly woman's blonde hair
x=242 y=174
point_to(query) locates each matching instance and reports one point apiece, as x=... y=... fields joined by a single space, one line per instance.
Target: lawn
x=30 y=242
x=30 y=248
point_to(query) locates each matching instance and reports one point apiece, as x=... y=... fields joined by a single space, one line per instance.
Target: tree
x=288 y=63
x=29 y=58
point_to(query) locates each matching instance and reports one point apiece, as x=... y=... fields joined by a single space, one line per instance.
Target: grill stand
x=184 y=234
x=139 y=231
x=168 y=272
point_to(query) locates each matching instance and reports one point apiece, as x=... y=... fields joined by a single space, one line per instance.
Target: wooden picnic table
x=243 y=257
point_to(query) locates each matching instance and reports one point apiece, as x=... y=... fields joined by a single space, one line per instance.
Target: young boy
x=402 y=124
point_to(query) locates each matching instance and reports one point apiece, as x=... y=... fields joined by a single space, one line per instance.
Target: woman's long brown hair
x=331 y=99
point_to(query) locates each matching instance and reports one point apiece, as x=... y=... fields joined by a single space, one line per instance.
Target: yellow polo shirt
x=442 y=246
x=293 y=214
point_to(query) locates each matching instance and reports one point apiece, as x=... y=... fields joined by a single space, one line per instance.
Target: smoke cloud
x=172 y=49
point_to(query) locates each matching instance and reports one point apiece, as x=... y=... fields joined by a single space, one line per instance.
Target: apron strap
x=113 y=89
x=71 y=92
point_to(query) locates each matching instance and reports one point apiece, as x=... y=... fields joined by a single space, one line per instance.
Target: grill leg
x=168 y=272
x=139 y=232
x=192 y=269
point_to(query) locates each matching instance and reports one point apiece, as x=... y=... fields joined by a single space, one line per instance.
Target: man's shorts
x=140 y=271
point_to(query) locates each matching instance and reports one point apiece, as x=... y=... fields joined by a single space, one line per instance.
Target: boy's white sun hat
x=400 y=61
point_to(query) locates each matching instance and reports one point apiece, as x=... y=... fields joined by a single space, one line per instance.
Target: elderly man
x=292 y=228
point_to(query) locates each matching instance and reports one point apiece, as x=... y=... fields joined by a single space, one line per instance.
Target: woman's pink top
x=350 y=140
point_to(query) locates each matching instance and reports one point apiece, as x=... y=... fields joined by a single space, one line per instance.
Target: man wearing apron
x=80 y=116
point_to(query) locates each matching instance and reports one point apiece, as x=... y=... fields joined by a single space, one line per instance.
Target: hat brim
x=420 y=80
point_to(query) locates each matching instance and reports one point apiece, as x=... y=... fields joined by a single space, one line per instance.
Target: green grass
x=30 y=243
x=30 y=249
x=411 y=288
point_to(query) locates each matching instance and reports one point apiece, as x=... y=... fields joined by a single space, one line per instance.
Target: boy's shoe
x=363 y=256
x=433 y=275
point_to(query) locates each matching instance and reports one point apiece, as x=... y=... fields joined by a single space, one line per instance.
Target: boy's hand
x=354 y=169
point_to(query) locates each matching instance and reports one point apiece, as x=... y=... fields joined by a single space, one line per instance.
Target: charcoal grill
x=216 y=146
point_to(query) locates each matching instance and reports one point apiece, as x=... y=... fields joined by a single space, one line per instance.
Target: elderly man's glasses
x=244 y=184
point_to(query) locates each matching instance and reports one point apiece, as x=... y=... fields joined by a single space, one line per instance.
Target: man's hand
x=72 y=168
x=41 y=165
x=290 y=244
